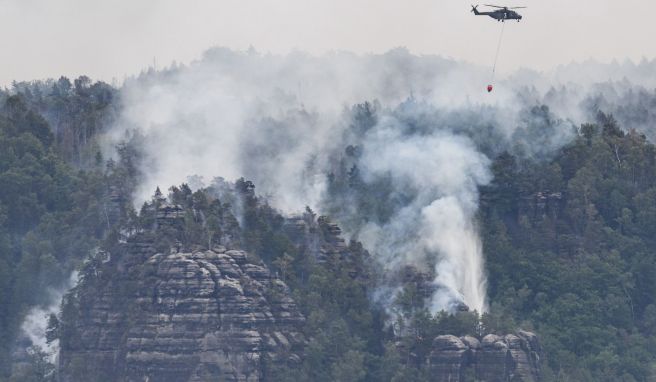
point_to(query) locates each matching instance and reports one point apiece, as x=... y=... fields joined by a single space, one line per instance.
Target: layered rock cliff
x=191 y=316
x=161 y=308
x=493 y=359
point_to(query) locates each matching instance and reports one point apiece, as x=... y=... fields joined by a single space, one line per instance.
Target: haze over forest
x=106 y=40
x=306 y=209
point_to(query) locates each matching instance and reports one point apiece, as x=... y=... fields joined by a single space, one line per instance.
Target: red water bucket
x=489 y=88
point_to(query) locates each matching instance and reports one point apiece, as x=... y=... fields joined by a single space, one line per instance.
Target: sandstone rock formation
x=322 y=239
x=161 y=310
x=207 y=315
x=541 y=205
x=494 y=359
x=449 y=358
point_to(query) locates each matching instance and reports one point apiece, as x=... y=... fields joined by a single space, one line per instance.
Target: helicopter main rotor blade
x=497 y=6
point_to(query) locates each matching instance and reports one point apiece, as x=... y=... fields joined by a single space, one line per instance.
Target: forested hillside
x=568 y=243
x=54 y=197
x=568 y=238
x=570 y=250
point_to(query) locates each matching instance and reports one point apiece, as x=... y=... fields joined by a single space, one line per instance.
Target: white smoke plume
x=36 y=322
x=281 y=121
x=437 y=226
x=262 y=117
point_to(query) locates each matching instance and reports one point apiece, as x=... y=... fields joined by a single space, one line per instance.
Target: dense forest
x=570 y=251
x=54 y=196
x=568 y=241
x=567 y=244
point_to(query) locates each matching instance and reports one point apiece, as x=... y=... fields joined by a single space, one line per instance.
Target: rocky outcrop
x=541 y=205
x=319 y=237
x=208 y=315
x=449 y=358
x=493 y=359
x=421 y=281
x=161 y=310
x=322 y=239
x=170 y=215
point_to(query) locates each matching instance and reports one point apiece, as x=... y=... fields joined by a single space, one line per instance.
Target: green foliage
x=569 y=246
x=76 y=114
x=51 y=218
x=569 y=241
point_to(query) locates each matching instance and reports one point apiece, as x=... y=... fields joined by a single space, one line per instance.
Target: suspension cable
x=496 y=57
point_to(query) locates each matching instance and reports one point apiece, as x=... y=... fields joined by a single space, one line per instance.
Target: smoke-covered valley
x=477 y=204
x=423 y=133
x=392 y=193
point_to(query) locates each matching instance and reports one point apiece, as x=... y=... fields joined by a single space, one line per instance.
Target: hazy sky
x=110 y=39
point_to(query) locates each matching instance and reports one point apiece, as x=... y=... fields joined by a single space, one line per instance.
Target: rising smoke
x=284 y=122
x=436 y=226
x=36 y=322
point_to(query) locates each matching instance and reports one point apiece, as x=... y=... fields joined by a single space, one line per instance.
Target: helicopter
x=501 y=14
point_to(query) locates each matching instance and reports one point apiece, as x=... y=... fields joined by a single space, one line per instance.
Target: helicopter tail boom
x=475 y=10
